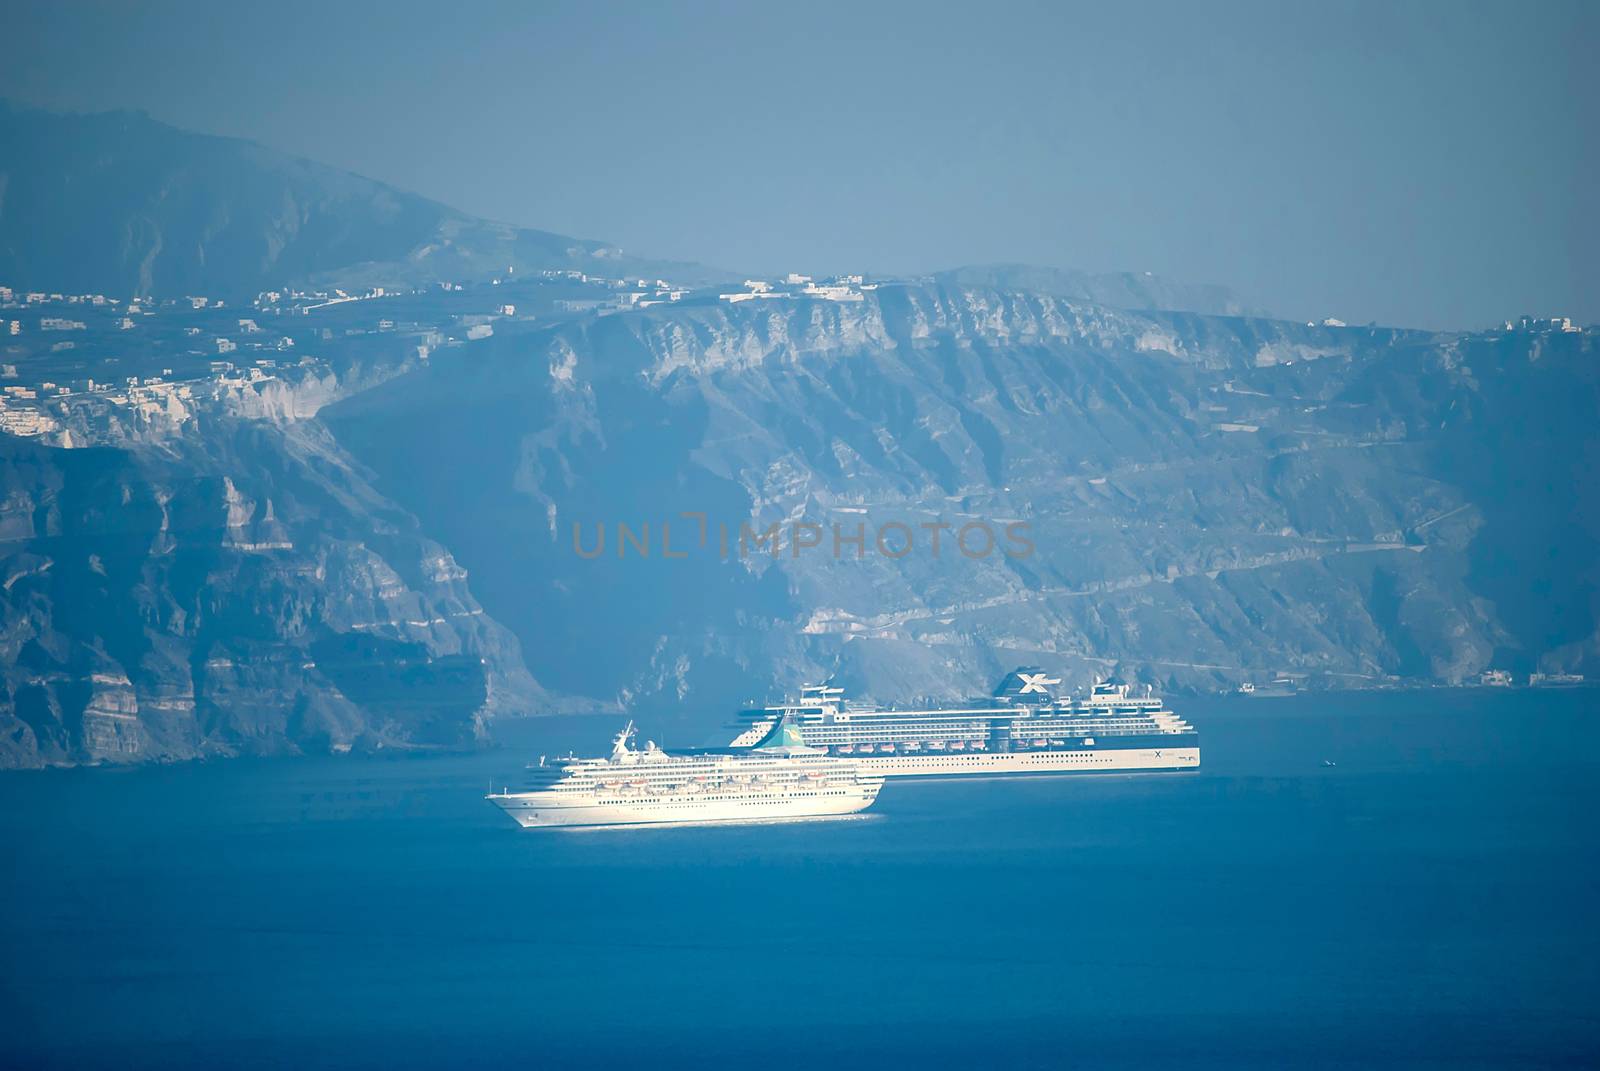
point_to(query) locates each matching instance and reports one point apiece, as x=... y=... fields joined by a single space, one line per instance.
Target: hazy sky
x=1427 y=164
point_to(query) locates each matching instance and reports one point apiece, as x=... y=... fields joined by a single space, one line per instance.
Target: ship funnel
x=619 y=744
x=784 y=736
x=1027 y=682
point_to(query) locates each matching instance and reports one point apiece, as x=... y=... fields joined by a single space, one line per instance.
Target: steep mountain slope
x=1210 y=500
x=118 y=203
x=234 y=587
x=392 y=546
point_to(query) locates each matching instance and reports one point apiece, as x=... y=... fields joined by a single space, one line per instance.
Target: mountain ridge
x=1123 y=290
x=120 y=203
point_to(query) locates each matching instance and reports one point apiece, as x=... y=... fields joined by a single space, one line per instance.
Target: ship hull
x=970 y=764
x=538 y=810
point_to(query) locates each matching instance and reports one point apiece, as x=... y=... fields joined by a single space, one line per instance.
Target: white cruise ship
x=782 y=780
x=1024 y=728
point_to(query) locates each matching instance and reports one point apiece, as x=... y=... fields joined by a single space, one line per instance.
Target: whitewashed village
x=82 y=368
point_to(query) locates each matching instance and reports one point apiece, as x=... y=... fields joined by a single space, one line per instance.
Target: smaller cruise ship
x=782 y=780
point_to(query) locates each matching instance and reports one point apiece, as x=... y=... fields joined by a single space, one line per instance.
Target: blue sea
x=1433 y=899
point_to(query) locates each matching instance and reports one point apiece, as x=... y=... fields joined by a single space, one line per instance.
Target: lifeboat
x=887 y=749
x=979 y=745
x=864 y=749
x=1041 y=743
x=935 y=745
x=846 y=749
x=958 y=745
x=912 y=745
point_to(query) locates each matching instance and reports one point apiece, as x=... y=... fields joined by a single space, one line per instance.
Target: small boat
x=1329 y=762
x=958 y=745
x=846 y=749
x=936 y=745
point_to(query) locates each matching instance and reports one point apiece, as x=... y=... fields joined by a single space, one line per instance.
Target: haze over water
x=1427 y=900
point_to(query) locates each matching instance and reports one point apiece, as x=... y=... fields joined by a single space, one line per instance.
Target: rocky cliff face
x=703 y=502
x=233 y=586
x=1208 y=500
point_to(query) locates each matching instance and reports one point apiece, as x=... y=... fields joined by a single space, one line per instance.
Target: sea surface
x=1432 y=899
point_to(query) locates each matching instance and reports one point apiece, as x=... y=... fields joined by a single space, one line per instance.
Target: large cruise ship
x=780 y=780
x=1023 y=728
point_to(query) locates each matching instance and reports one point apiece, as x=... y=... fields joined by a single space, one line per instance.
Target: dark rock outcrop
x=237 y=589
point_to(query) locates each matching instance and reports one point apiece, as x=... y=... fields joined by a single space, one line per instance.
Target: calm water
x=1432 y=899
